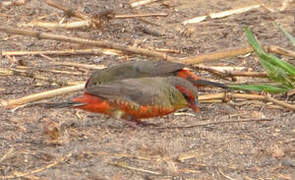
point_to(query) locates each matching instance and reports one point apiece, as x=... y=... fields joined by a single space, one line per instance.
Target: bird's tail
x=201 y=82
x=198 y=81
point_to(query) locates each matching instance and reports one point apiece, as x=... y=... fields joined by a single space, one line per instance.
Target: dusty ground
x=89 y=145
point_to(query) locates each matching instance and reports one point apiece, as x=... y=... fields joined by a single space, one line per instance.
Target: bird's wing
x=159 y=68
x=133 y=70
x=142 y=91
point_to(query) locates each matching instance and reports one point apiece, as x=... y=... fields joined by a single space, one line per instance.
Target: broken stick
x=217 y=55
x=41 y=96
x=103 y=44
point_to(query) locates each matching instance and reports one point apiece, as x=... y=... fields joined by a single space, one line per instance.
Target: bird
x=139 y=69
x=134 y=99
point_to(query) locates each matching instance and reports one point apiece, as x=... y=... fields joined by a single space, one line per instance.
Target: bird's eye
x=187 y=98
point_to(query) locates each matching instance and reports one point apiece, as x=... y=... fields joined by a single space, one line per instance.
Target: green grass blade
x=253 y=42
x=288 y=35
x=276 y=73
x=279 y=62
x=277 y=69
x=259 y=88
x=266 y=56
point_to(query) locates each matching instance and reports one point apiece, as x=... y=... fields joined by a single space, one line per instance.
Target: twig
x=227 y=177
x=70 y=25
x=285 y=5
x=168 y=50
x=281 y=103
x=198 y=59
x=96 y=21
x=233 y=11
x=227 y=71
x=268 y=8
x=24 y=174
x=291 y=92
x=45 y=69
x=142 y=2
x=13 y=60
x=13 y=3
x=221 y=74
x=77 y=73
x=63 y=52
x=6 y=155
x=221 y=71
x=78 y=65
x=35 y=75
x=195 y=20
x=216 y=55
x=83 y=23
x=248 y=74
x=221 y=14
x=123 y=16
x=40 y=96
x=184 y=114
x=72 y=64
x=124 y=165
x=280 y=50
x=228 y=94
x=190 y=155
x=246 y=96
x=104 y=44
x=212 y=101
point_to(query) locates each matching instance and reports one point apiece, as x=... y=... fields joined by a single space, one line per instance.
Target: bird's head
x=191 y=98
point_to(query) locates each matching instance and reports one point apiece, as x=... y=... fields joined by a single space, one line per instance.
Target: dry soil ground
x=91 y=146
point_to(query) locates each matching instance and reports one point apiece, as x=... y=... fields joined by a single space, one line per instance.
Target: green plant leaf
x=288 y=35
x=276 y=69
x=264 y=88
x=253 y=42
x=276 y=73
x=279 y=62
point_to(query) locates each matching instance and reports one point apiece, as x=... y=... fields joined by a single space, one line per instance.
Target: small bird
x=141 y=69
x=137 y=98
